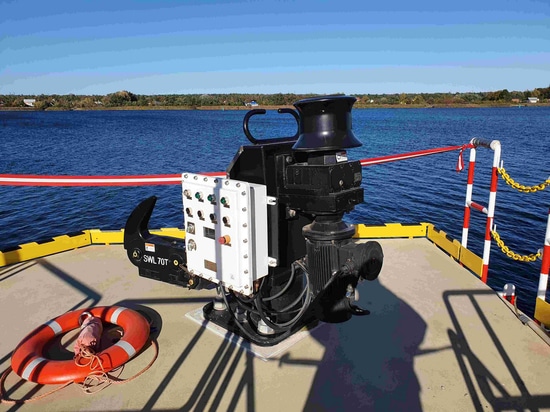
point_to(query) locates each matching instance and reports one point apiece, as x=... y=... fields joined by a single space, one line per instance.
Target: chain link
x=511 y=254
x=525 y=189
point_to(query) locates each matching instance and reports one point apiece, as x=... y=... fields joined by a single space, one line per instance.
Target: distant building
x=29 y=102
x=533 y=99
x=252 y=103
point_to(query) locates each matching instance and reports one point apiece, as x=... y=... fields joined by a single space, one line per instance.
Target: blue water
x=159 y=142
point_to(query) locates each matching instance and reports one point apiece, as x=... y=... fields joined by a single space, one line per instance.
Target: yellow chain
x=525 y=189
x=511 y=254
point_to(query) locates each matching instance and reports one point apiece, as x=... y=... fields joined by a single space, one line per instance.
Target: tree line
x=126 y=99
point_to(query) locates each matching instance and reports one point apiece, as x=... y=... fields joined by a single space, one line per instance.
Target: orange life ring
x=28 y=361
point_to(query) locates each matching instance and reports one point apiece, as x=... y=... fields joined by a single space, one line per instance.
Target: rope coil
x=510 y=253
x=522 y=188
x=96 y=380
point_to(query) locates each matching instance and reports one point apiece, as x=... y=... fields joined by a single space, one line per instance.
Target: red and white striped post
x=545 y=267
x=490 y=209
x=469 y=191
x=509 y=293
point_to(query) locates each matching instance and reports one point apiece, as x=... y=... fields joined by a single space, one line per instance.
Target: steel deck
x=437 y=339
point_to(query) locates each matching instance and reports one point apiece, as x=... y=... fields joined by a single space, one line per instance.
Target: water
x=166 y=142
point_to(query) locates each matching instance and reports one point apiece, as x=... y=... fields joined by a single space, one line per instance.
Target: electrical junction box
x=226 y=230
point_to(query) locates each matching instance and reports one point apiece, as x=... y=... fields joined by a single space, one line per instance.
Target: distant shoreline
x=266 y=107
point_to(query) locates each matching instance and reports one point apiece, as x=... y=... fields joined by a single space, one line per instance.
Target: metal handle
x=254 y=112
x=479 y=142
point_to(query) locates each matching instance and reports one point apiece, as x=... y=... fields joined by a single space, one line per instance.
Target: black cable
x=286 y=325
x=244 y=305
x=253 y=338
x=280 y=293
x=296 y=301
x=283 y=290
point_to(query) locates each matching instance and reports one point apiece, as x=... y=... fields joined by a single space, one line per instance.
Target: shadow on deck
x=407 y=355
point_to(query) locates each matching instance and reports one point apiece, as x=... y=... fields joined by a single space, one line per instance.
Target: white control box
x=226 y=230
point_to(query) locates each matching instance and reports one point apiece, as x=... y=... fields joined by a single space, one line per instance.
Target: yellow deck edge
x=107 y=237
x=88 y=237
x=63 y=243
x=470 y=260
x=542 y=312
x=390 y=230
x=440 y=238
x=33 y=250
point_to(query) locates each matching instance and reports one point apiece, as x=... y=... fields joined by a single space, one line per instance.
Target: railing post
x=490 y=209
x=545 y=266
x=469 y=191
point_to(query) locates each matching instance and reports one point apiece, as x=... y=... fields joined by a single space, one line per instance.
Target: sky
x=300 y=46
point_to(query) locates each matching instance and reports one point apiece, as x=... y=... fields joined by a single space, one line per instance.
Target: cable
x=286 y=325
x=250 y=336
x=283 y=290
x=287 y=308
x=244 y=305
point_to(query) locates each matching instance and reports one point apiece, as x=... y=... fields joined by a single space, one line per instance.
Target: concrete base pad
x=263 y=352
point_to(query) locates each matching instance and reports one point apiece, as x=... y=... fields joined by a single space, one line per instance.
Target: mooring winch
x=270 y=235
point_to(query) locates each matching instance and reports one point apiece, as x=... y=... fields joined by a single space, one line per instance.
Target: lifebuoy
x=28 y=361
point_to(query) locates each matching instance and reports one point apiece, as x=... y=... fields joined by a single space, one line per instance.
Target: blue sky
x=365 y=46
